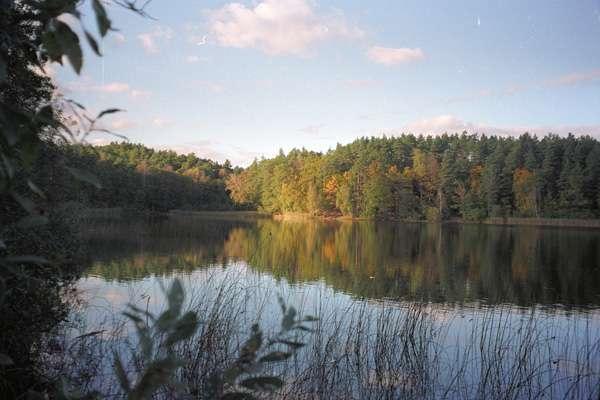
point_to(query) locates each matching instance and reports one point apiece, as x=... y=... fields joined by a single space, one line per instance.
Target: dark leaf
x=275 y=356
x=93 y=43
x=78 y=105
x=264 y=383
x=121 y=374
x=184 y=328
x=156 y=374
x=52 y=46
x=291 y=343
x=175 y=297
x=109 y=111
x=238 y=396
x=303 y=328
x=35 y=189
x=102 y=20
x=288 y=319
x=310 y=318
x=89 y=334
x=136 y=319
x=59 y=39
x=281 y=304
x=248 y=351
x=45 y=115
x=165 y=320
x=143 y=333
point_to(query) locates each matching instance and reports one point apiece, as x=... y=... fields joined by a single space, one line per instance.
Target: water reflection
x=451 y=263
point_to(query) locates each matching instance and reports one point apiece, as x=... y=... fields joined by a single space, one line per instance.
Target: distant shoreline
x=508 y=221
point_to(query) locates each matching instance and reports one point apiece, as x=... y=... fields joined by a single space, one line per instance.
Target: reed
x=370 y=350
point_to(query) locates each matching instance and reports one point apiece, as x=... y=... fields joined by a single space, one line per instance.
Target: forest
x=409 y=177
x=135 y=177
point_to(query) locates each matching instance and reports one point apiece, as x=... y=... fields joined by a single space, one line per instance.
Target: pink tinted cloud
x=151 y=41
x=392 y=56
x=277 y=26
x=447 y=123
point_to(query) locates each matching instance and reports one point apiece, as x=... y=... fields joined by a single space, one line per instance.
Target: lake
x=405 y=309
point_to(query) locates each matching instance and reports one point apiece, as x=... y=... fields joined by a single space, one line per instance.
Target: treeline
x=136 y=177
x=448 y=176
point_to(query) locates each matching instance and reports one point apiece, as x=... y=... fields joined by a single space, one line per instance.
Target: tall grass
x=368 y=350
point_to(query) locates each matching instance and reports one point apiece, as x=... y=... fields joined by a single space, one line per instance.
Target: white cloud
x=438 y=125
x=215 y=150
x=393 y=56
x=118 y=38
x=150 y=40
x=87 y=85
x=451 y=124
x=277 y=26
x=575 y=78
x=196 y=34
x=113 y=87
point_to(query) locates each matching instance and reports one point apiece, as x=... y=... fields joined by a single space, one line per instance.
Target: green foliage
x=157 y=337
x=37 y=245
x=136 y=177
x=244 y=379
x=432 y=178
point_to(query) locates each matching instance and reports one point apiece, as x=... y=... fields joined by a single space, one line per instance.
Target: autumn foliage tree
x=448 y=176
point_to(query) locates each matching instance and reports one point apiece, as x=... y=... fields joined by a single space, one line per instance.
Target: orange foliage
x=524 y=190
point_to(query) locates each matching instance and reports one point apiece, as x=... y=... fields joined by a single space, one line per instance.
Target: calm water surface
x=447 y=264
x=326 y=268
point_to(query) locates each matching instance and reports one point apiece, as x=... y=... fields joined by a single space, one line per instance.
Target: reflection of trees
x=451 y=263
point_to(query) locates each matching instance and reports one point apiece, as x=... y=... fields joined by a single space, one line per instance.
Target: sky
x=241 y=80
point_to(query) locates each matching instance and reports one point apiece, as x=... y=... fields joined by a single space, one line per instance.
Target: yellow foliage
x=524 y=190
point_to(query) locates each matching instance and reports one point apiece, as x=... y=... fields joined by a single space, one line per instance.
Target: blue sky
x=241 y=80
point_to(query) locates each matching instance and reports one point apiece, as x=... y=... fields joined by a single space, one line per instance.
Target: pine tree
x=550 y=173
x=495 y=187
x=592 y=176
x=448 y=183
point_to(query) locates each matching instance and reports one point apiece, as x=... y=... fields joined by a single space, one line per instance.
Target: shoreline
x=233 y=214
x=508 y=221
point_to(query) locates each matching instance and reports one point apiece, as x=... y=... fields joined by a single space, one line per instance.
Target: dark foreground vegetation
x=408 y=177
